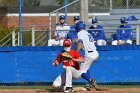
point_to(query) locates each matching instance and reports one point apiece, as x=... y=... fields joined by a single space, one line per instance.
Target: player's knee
x=56 y=85
x=129 y=42
x=114 y=42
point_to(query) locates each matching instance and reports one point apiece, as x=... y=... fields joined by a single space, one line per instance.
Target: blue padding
x=33 y=64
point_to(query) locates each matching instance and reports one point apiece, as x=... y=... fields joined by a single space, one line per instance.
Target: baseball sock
x=86 y=76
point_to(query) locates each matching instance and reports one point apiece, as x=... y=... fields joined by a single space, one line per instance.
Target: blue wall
x=33 y=64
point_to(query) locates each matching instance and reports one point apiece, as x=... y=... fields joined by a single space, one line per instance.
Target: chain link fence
x=125 y=4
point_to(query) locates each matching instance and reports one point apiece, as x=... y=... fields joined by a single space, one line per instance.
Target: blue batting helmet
x=132 y=18
x=61 y=17
x=76 y=18
x=123 y=20
x=94 y=20
x=80 y=25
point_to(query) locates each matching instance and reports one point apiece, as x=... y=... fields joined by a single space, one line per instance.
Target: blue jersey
x=113 y=37
x=72 y=33
x=124 y=34
x=97 y=34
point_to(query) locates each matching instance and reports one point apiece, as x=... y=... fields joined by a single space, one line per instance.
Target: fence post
x=84 y=10
x=57 y=17
x=110 y=4
x=33 y=36
x=50 y=25
x=137 y=35
x=18 y=38
x=13 y=38
x=127 y=4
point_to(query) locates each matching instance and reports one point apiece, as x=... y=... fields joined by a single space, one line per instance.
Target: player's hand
x=55 y=63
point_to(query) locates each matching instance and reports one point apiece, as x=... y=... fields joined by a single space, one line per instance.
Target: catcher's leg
x=68 y=83
x=60 y=81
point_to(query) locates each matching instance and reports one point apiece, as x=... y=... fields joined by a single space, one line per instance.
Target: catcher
x=70 y=59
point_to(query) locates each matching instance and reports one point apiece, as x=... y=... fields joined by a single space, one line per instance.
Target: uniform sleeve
x=118 y=36
x=101 y=34
x=59 y=57
x=129 y=32
x=72 y=33
x=77 y=55
x=80 y=39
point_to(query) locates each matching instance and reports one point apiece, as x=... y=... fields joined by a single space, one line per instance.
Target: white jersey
x=62 y=30
x=87 y=40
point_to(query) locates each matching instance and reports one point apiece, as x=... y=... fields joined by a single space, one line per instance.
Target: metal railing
x=35 y=36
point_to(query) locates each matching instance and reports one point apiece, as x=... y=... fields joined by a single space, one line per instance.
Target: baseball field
x=76 y=89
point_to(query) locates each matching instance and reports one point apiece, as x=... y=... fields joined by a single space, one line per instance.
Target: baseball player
x=60 y=33
x=98 y=35
x=72 y=34
x=113 y=38
x=71 y=67
x=86 y=42
x=124 y=33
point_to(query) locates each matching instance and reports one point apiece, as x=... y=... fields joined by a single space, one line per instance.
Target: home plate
x=79 y=89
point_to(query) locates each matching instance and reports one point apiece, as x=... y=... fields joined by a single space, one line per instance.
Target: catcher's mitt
x=66 y=56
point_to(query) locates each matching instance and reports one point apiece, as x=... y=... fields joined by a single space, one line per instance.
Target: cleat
x=68 y=90
x=88 y=87
x=93 y=82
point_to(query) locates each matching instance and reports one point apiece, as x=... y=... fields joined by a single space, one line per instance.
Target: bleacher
x=112 y=21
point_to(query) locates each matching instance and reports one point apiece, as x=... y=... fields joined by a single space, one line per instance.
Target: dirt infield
x=114 y=90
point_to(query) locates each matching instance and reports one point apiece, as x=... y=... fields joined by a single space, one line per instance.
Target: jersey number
x=90 y=38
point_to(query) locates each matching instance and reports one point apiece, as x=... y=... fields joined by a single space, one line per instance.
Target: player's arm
x=57 y=60
x=55 y=63
x=79 y=45
x=80 y=59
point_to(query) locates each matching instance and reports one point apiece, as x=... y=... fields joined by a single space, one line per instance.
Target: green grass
x=25 y=87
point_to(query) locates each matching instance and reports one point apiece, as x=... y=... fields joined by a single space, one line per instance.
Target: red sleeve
x=76 y=54
x=59 y=57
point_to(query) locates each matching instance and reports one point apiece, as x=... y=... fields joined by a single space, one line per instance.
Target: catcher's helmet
x=80 y=25
x=61 y=17
x=94 y=20
x=67 y=42
x=123 y=20
x=76 y=18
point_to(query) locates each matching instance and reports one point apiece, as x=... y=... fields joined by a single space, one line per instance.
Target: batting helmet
x=61 y=17
x=76 y=18
x=94 y=20
x=123 y=20
x=67 y=42
x=80 y=25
